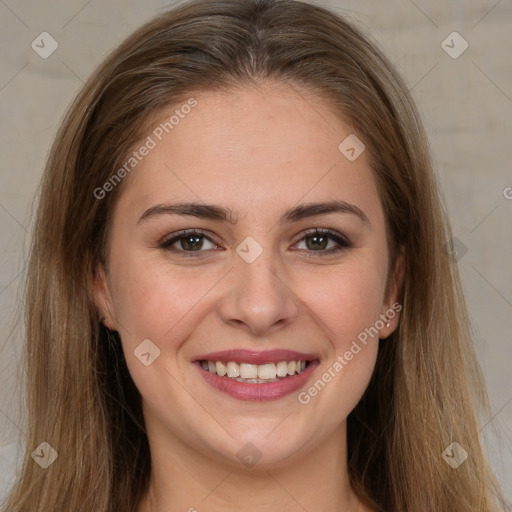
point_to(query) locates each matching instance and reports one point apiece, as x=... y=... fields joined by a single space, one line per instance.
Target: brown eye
x=188 y=242
x=318 y=241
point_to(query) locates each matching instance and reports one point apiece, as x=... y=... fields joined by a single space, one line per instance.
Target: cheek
x=347 y=304
x=347 y=301
x=350 y=311
x=154 y=301
x=152 y=294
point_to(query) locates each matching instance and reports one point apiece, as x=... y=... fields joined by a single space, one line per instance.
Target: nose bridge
x=258 y=295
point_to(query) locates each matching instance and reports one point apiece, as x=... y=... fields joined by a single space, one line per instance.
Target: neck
x=182 y=479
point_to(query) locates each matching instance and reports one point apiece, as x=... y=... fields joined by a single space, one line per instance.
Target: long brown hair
x=81 y=400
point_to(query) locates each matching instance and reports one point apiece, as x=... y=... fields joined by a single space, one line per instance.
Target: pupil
x=316 y=238
x=192 y=245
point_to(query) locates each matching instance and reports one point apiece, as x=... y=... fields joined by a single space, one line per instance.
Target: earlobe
x=103 y=298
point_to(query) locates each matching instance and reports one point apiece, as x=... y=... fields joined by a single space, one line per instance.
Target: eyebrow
x=219 y=213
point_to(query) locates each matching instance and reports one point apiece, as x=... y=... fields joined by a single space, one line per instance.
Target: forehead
x=252 y=147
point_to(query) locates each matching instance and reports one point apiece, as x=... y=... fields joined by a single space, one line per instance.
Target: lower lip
x=258 y=392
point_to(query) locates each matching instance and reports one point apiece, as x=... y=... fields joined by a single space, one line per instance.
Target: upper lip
x=257 y=357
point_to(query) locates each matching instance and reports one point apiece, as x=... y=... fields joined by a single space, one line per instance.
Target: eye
x=320 y=241
x=188 y=241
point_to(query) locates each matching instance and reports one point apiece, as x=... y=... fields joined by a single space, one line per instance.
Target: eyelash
x=343 y=242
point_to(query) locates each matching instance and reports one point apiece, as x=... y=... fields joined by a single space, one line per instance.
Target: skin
x=258 y=151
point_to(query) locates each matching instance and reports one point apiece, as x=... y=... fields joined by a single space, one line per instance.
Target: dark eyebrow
x=219 y=213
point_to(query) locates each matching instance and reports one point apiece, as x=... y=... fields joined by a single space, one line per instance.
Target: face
x=272 y=282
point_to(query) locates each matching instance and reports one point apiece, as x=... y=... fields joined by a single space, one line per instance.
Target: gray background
x=466 y=103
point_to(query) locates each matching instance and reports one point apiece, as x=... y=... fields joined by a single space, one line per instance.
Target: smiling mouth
x=255 y=373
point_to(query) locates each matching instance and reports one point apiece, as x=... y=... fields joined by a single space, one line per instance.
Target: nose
x=258 y=296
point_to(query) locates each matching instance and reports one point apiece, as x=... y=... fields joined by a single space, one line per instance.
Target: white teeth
x=221 y=368
x=246 y=372
x=256 y=381
x=267 y=371
x=282 y=368
x=233 y=369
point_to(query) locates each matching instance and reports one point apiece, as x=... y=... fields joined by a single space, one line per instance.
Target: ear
x=391 y=306
x=103 y=298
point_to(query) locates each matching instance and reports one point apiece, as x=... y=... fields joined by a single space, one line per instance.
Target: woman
x=239 y=294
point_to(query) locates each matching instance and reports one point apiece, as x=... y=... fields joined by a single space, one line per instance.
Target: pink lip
x=254 y=357
x=258 y=392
